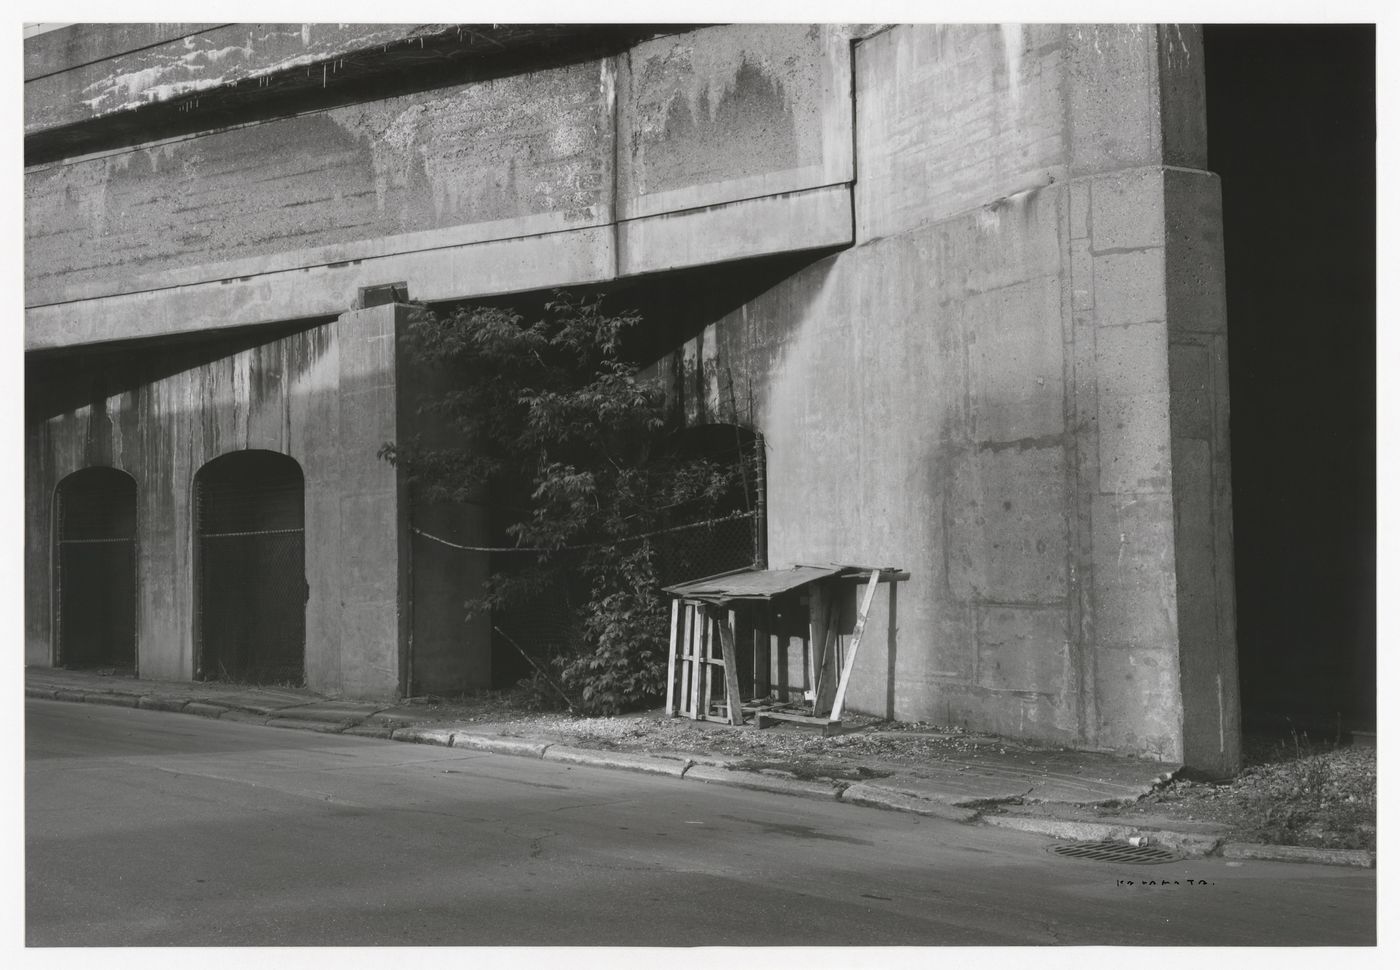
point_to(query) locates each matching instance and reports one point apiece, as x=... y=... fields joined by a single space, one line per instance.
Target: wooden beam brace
x=725 y=622
x=861 y=617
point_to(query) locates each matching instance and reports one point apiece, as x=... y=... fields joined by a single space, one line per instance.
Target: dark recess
x=674 y=307
x=1291 y=125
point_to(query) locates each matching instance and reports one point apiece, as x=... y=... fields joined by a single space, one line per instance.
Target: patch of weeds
x=1293 y=791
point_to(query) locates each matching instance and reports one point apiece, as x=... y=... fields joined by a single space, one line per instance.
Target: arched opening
x=733 y=534
x=95 y=569
x=250 y=579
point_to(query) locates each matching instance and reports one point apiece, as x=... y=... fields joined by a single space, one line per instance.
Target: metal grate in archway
x=251 y=583
x=95 y=569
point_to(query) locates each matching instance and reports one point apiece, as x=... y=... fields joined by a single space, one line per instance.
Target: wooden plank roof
x=764 y=584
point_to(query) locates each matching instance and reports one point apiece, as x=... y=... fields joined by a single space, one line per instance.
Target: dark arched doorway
x=95 y=569
x=251 y=591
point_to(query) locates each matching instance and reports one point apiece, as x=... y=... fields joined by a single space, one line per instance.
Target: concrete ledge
x=297 y=724
x=72 y=696
x=570 y=258
x=878 y=796
x=44 y=693
x=154 y=703
x=615 y=759
x=793 y=221
x=1188 y=843
x=757 y=782
x=484 y=742
x=112 y=700
x=421 y=735
x=1361 y=858
x=204 y=710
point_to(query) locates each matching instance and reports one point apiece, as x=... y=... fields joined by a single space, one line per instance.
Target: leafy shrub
x=553 y=428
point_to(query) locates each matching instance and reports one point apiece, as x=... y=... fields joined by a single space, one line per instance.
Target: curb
x=243 y=717
x=417 y=735
x=892 y=799
x=1190 y=844
x=522 y=747
x=112 y=700
x=155 y=703
x=1358 y=858
x=710 y=769
x=624 y=760
x=300 y=724
x=756 y=782
x=380 y=731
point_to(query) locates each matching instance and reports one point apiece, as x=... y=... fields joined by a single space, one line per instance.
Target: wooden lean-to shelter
x=738 y=632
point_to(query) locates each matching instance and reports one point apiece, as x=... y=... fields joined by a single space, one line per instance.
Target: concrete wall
x=515 y=156
x=1013 y=386
x=90 y=70
x=576 y=174
x=326 y=397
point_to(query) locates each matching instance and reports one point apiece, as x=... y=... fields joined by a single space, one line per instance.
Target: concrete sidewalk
x=1047 y=791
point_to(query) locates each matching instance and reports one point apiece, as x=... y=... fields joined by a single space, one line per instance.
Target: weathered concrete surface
x=498 y=266
x=513 y=156
x=323 y=396
x=1200 y=423
x=880 y=796
x=1358 y=858
x=952 y=118
x=759 y=782
x=90 y=70
x=624 y=760
x=812 y=219
x=1192 y=839
x=55 y=51
x=992 y=387
x=505 y=185
x=1013 y=385
x=733 y=112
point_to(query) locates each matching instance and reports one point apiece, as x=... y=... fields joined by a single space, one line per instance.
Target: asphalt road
x=146 y=828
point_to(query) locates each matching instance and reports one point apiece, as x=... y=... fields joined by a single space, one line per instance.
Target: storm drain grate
x=1143 y=855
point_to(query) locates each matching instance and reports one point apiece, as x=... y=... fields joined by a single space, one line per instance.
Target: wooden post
x=861 y=617
x=707 y=654
x=763 y=622
x=693 y=648
x=671 y=659
x=825 y=690
x=725 y=623
x=816 y=638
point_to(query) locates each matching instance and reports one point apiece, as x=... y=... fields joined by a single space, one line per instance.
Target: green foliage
x=553 y=428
